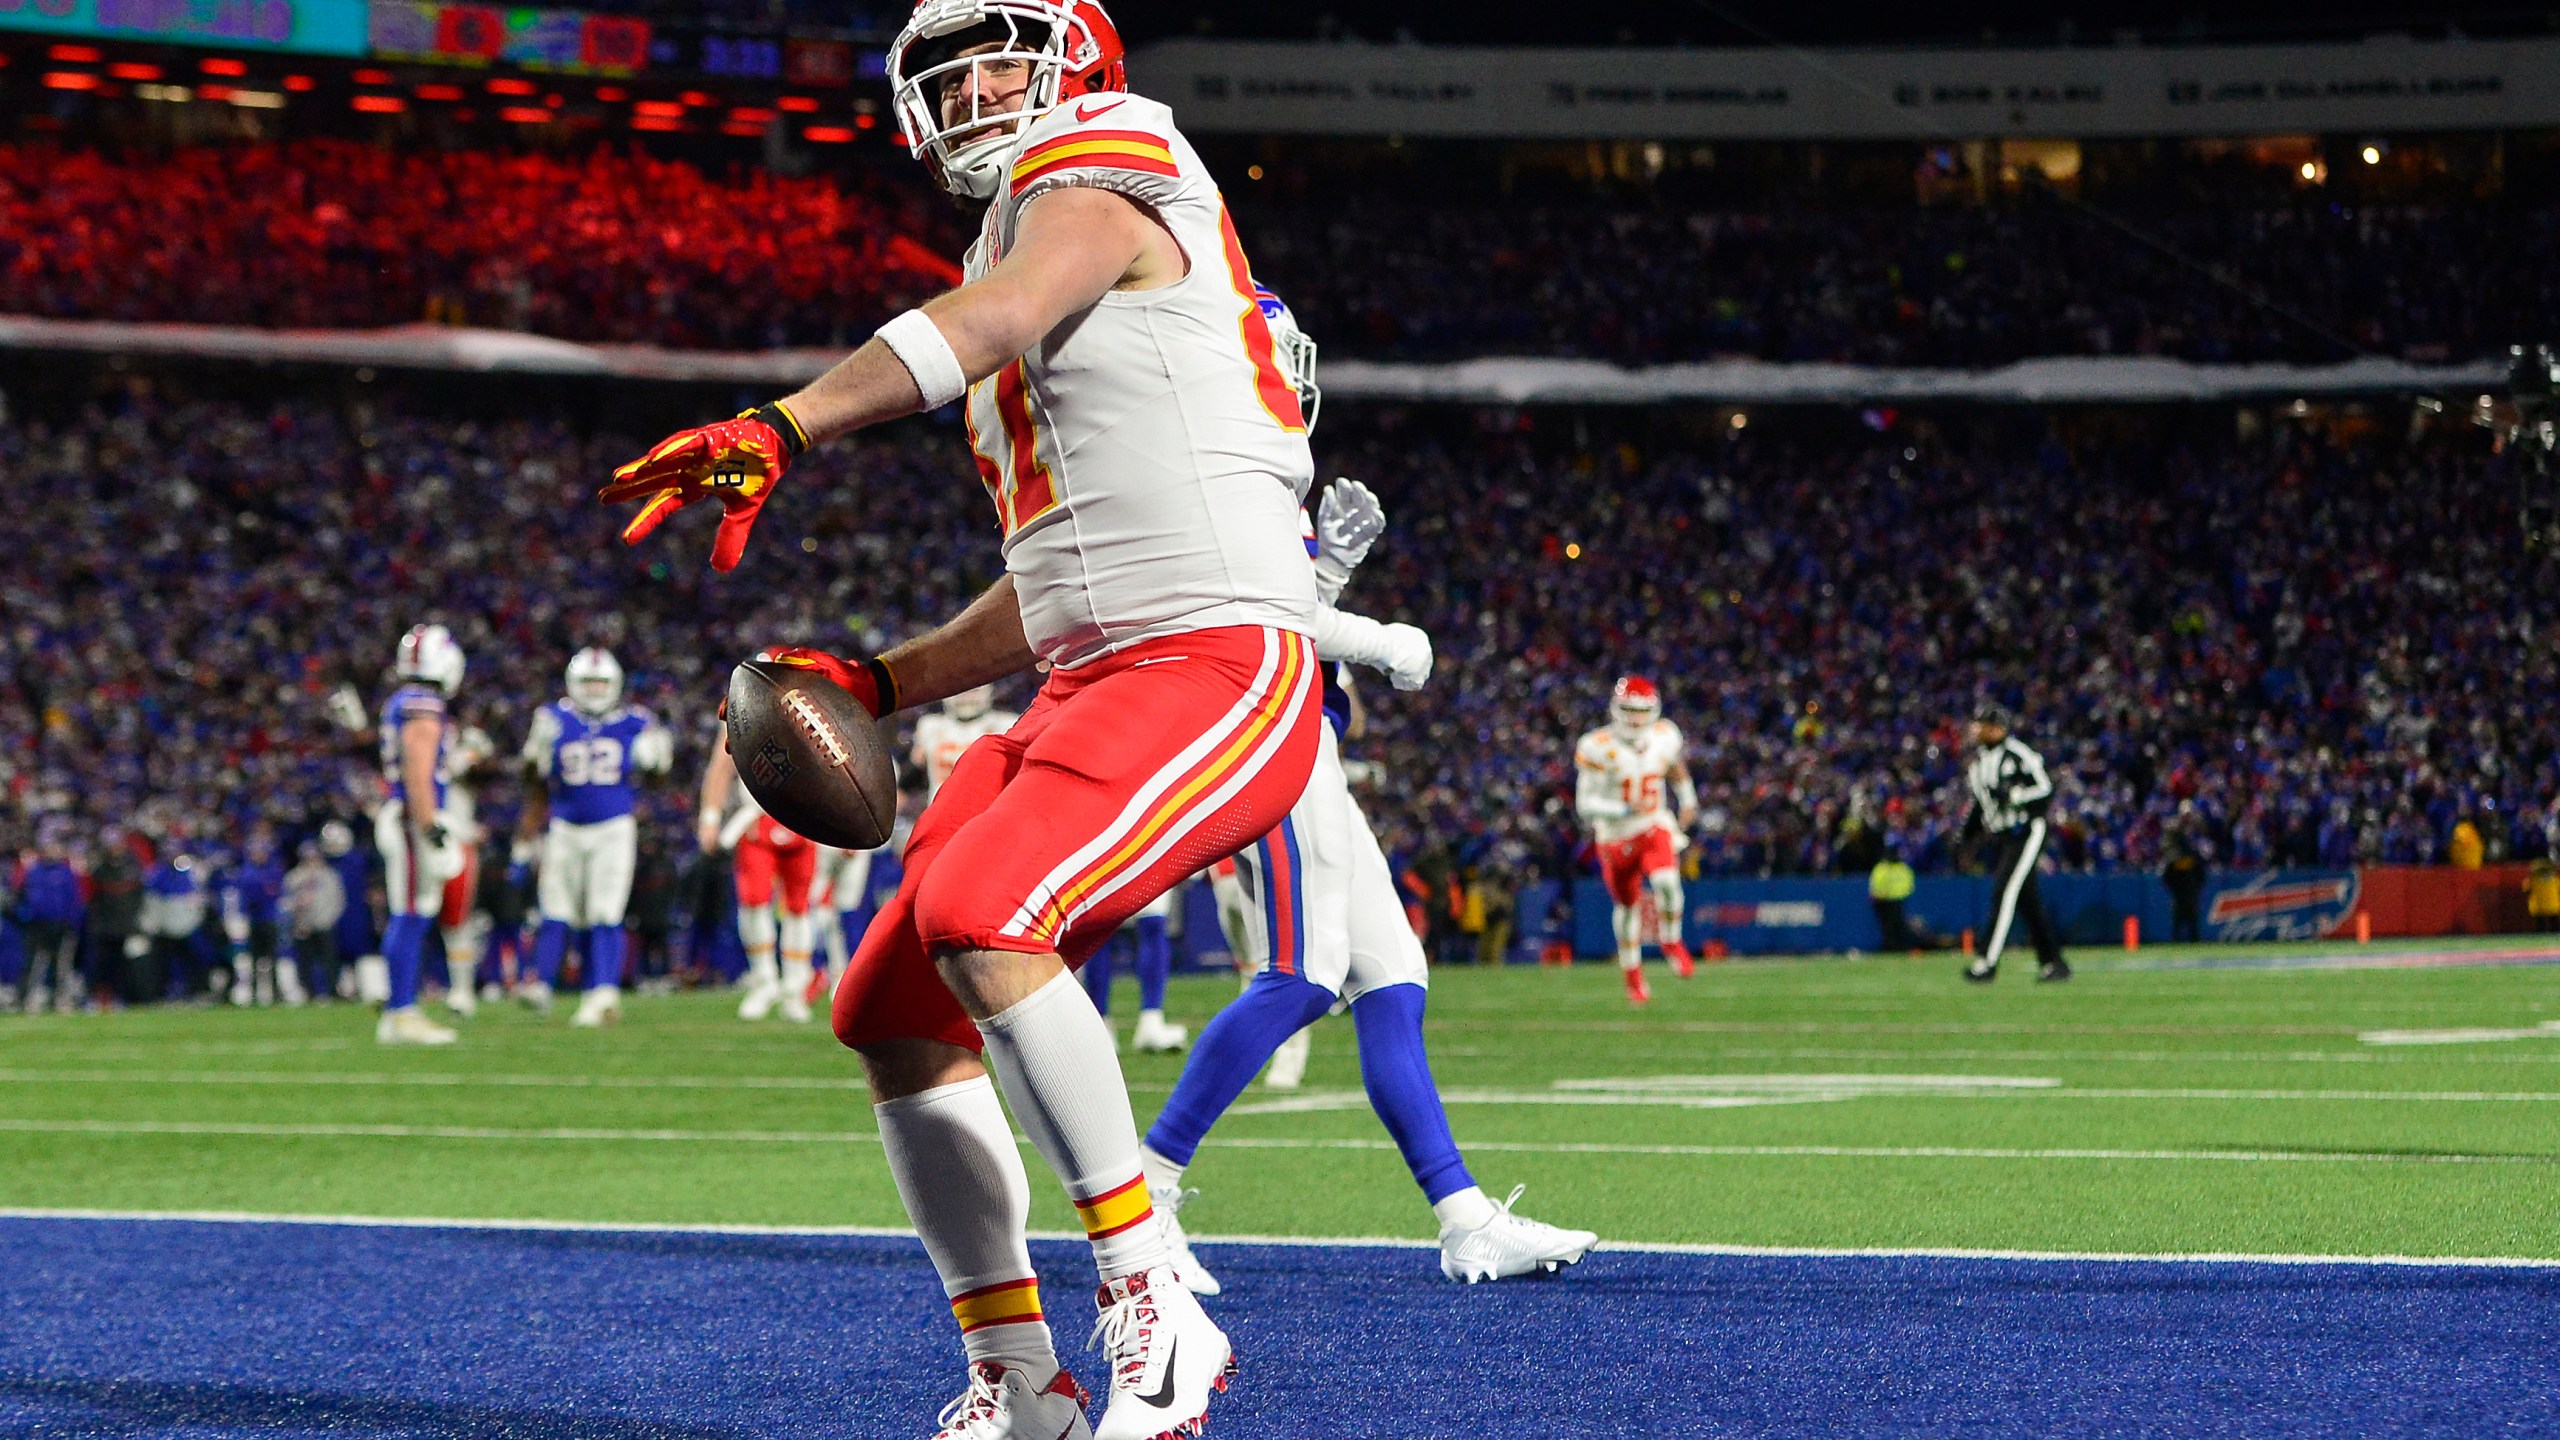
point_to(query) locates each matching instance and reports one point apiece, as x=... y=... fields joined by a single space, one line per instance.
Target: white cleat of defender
x=535 y=995
x=1168 y=1201
x=1509 y=1245
x=1167 y=1357
x=408 y=1027
x=1154 y=1035
x=1001 y=1403
x=1289 y=1062
x=598 y=1008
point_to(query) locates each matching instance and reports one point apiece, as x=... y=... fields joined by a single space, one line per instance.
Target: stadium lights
x=166 y=94
x=76 y=54
x=221 y=65
x=300 y=84
x=656 y=122
x=257 y=99
x=131 y=70
x=2373 y=154
x=827 y=134
x=70 y=80
x=524 y=115
x=379 y=104
x=1573 y=550
x=658 y=110
x=799 y=104
x=611 y=94
x=509 y=85
x=439 y=92
x=373 y=77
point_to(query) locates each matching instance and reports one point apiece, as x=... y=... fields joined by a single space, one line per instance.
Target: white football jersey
x=1640 y=774
x=942 y=737
x=1147 y=457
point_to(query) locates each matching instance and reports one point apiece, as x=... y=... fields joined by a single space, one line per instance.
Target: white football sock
x=756 y=933
x=1629 y=923
x=961 y=1177
x=1162 y=1174
x=1468 y=1209
x=1060 y=1070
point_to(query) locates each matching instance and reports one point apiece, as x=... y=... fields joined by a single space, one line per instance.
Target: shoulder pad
x=1117 y=142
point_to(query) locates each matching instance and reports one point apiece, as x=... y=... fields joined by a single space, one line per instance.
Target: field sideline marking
x=1378 y=1242
x=324 y=1130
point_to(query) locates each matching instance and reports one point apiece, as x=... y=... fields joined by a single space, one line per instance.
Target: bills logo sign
x=2283 y=905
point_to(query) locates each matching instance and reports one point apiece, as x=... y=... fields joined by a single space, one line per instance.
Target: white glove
x=1349 y=520
x=1401 y=651
x=439 y=856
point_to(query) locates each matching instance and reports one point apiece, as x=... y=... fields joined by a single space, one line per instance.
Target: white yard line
x=1781 y=1252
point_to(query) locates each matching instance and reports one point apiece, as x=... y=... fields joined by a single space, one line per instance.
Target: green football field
x=2403 y=1108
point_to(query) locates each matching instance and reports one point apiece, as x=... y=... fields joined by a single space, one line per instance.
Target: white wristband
x=918 y=344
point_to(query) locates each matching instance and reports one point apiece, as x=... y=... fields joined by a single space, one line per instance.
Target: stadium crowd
x=611 y=246
x=2313 y=644
x=616 y=246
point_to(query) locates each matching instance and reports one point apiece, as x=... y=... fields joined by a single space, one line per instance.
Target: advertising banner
x=2382 y=85
x=569 y=40
x=310 y=27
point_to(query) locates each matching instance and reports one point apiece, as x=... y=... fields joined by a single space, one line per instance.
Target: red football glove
x=735 y=461
x=869 y=681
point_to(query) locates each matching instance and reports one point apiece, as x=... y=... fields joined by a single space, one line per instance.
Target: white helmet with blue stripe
x=594 y=681
x=427 y=654
x=1294 y=349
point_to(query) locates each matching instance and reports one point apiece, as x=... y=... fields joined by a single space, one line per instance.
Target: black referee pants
x=2016 y=900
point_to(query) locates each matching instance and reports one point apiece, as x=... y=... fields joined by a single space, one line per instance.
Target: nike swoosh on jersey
x=1082 y=114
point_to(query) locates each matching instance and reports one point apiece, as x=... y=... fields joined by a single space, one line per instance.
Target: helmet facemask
x=594 y=682
x=972 y=703
x=969 y=155
x=1295 y=350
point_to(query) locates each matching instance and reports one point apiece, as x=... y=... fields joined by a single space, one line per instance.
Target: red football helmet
x=1071 y=47
x=1634 y=705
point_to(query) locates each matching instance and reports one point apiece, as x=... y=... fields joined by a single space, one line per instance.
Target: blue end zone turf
x=190 y=1329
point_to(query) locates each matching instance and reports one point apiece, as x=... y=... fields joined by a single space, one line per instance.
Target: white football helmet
x=1295 y=349
x=1071 y=47
x=594 y=681
x=428 y=655
x=972 y=703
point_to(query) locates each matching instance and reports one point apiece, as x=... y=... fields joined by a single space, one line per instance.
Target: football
x=811 y=755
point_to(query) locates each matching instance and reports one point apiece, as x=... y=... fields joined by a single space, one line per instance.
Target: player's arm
x=419 y=737
x=2029 y=786
x=1595 y=797
x=982 y=645
x=719 y=782
x=1401 y=652
x=1071 y=247
x=1684 y=793
x=542 y=737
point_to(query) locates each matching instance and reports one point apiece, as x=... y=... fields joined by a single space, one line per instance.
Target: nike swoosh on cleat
x=1164 y=1393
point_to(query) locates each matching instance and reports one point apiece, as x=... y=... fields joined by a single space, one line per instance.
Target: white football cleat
x=406 y=1026
x=761 y=997
x=1001 y=1404
x=793 y=1007
x=1509 y=1244
x=1154 y=1035
x=536 y=995
x=462 y=999
x=1289 y=1062
x=1168 y=1201
x=289 y=983
x=598 y=1008
x=1167 y=1357
x=244 y=989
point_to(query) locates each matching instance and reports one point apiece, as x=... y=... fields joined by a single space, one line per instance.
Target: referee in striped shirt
x=2011 y=794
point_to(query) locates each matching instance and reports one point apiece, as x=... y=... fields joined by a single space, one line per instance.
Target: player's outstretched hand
x=853 y=675
x=1408 y=656
x=1349 y=520
x=736 y=462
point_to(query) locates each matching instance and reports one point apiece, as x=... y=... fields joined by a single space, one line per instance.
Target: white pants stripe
x=2028 y=853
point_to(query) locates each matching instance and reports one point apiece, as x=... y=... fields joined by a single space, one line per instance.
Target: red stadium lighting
x=827 y=135
x=555 y=101
x=76 y=54
x=744 y=132
x=213 y=92
x=799 y=104
x=525 y=115
x=373 y=77
x=865 y=122
x=129 y=70
x=439 y=92
x=508 y=85
x=655 y=122
x=70 y=80
x=750 y=115
x=697 y=99
x=218 y=65
x=612 y=94
x=300 y=84
x=659 y=110
x=380 y=104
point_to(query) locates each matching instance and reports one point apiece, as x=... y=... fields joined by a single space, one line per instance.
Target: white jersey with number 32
x=1640 y=774
x=942 y=738
x=1147 y=457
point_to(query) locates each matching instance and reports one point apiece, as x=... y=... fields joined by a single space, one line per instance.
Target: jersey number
x=1270 y=386
x=591 y=762
x=1642 y=794
x=1021 y=485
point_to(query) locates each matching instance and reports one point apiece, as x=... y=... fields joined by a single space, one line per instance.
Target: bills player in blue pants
x=1331 y=927
x=583 y=758
x=420 y=851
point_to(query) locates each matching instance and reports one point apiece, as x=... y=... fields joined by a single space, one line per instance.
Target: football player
x=943 y=736
x=420 y=852
x=583 y=758
x=461 y=922
x=776 y=869
x=1147 y=459
x=1622 y=773
x=1331 y=928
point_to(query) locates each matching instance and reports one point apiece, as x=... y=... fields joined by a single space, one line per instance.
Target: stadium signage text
x=315 y=27
x=2384 y=85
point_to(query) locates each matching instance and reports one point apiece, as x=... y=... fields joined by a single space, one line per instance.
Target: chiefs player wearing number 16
x=1146 y=459
x=1623 y=769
